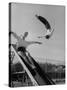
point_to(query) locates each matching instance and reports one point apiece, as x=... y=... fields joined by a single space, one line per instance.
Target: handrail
x=26 y=69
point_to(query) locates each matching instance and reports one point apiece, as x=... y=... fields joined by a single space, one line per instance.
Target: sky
x=23 y=20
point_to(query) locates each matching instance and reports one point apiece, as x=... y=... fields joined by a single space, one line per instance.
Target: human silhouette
x=22 y=44
x=49 y=30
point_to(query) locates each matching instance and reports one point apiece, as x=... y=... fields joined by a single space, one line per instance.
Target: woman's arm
x=35 y=42
x=15 y=35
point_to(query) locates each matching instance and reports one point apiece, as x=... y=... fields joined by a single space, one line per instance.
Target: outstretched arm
x=25 y=35
x=47 y=34
x=52 y=31
x=34 y=42
x=14 y=34
x=41 y=36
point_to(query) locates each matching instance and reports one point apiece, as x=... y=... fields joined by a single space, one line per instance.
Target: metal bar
x=26 y=69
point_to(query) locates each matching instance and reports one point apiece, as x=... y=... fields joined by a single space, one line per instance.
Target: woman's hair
x=22 y=49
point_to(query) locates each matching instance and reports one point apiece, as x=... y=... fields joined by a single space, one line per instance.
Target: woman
x=22 y=44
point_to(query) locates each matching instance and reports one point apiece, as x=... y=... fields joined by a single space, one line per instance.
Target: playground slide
x=39 y=76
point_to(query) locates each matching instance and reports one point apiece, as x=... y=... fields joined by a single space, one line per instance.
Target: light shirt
x=48 y=32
